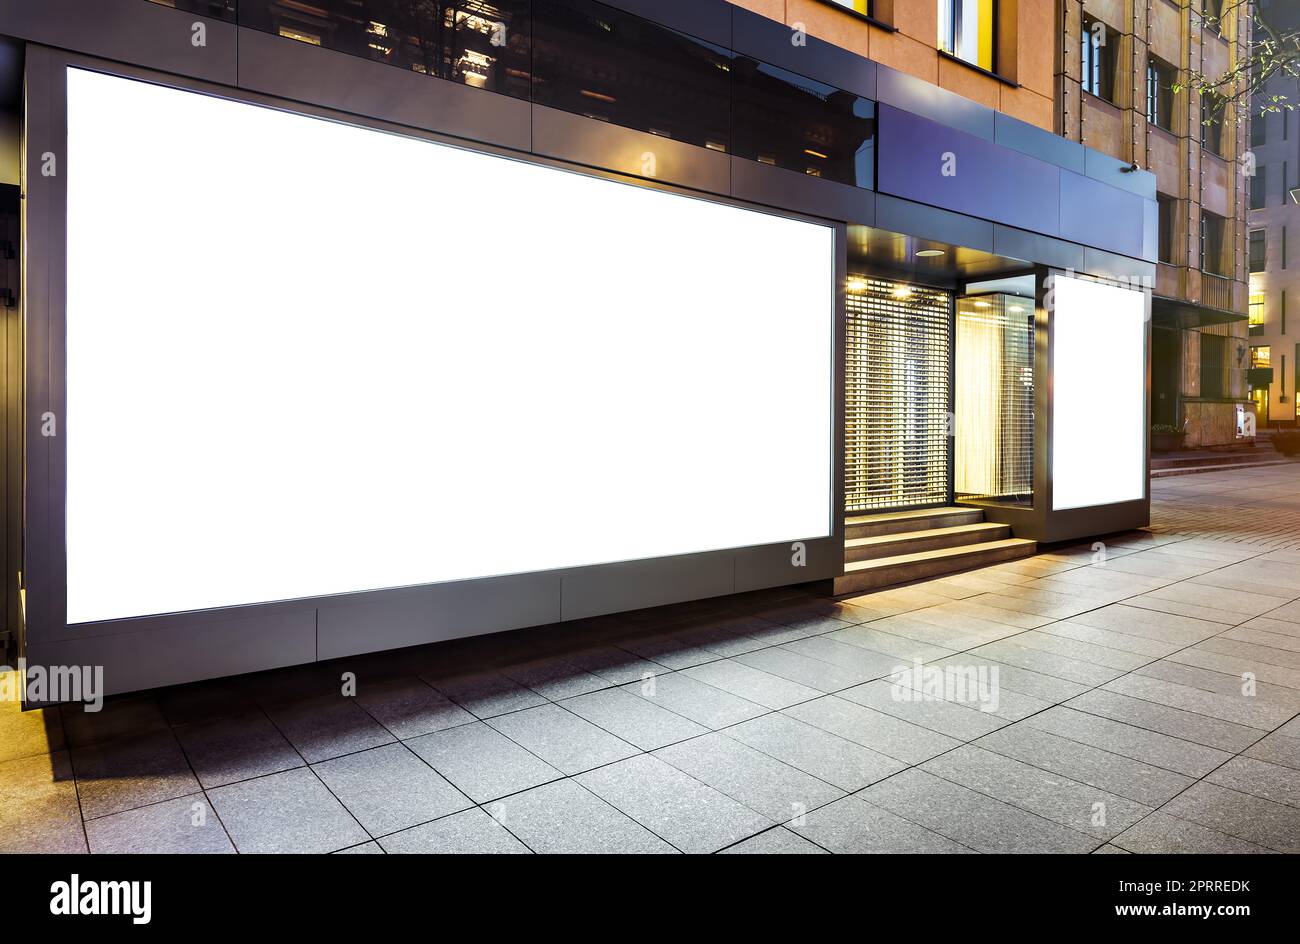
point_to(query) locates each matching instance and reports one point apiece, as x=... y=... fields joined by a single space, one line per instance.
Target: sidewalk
x=1137 y=696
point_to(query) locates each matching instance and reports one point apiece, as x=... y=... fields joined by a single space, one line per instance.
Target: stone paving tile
x=744 y=681
x=471 y=832
x=854 y=826
x=871 y=637
x=481 y=762
x=1113 y=773
x=132 y=716
x=882 y=733
x=683 y=649
x=1108 y=849
x=288 y=812
x=704 y=704
x=960 y=721
x=864 y=661
x=38 y=805
x=971 y=818
x=1011 y=652
x=365 y=848
x=239 y=748
x=1151 y=624
x=564 y=817
x=1234 y=708
x=486 y=694
x=804 y=670
x=691 y=815
x=129 y=772
x=1161 y=833
x=325 y=727
x=1277 y=748
x=389 y=788
x=639 y=721
x=1275 y=782
x=1232 y=665
x=555 y=678
x=184 y=825
x=825 y=756
x=1079 y=650
x=562 y=739
x=24 y=733
x=762 y=783
x=1138 y=645
x=1045 y=688
x=410 y=707
x=776 y=841
x=1077 y=805
x=1159 y=750
x=1229 y=645
x=1254 y=819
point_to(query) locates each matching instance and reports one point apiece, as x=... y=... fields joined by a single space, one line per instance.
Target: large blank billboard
x=306 y=358
x=1098 y=393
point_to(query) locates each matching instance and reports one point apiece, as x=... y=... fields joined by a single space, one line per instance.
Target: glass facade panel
x=790 y=121
x=593 y=60
x=1097 y=52
x=993 y=425
x=482 y=43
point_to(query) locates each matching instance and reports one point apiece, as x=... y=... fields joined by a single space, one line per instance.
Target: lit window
x=1257 y=310
x=966 y=30
x=1261 y=356
x=857 y=6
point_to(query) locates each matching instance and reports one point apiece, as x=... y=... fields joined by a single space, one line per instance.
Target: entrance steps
x=883 y=550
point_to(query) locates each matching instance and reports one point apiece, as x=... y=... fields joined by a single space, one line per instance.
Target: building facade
x=1117 y=67
x=1274 y=215
x=317 y=299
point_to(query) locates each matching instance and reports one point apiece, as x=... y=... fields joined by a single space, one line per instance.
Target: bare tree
x=1272 y=52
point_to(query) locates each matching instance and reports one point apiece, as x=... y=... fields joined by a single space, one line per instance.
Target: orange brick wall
x=1026 y=54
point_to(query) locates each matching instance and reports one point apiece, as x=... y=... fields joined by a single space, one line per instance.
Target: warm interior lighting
x=857 y=285
x=929 y=253
x=812 y=153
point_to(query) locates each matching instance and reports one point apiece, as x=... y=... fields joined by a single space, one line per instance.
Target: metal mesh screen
x=994 y=416
x=896 y=395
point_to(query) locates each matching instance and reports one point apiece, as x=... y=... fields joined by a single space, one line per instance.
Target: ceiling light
x=856 y=285
x=928 y=253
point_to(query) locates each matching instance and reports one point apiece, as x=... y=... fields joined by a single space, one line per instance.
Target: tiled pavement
x=1147 y=701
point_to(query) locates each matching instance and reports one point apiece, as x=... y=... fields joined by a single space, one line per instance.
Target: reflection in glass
x=994 y=416
x=790 y=121
x=483 y=43
x=593 y=60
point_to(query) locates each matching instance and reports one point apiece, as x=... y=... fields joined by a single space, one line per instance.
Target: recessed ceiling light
x=856 y=285
x=927 y=253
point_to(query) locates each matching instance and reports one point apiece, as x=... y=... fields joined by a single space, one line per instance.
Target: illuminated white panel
x=305 y=358
x=1098 y=393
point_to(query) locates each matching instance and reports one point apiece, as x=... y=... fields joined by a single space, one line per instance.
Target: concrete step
x=888 y=571
x=917 y=519
x=928 y=539
x=1192 y=470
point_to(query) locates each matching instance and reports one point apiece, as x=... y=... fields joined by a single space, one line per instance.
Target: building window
x=1258 y=250
x=1166 y=215
x=1256 y=313
x=1213 y=229
x=1261 y=355
x=1258 y=124
x=1160 y=93
x=1098 y=58
x=790 y=121
x=857 y=6
x=593 y=60
x=1257 y=188
x=1212 y=15
x=967 y=30
x=1212 y=108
